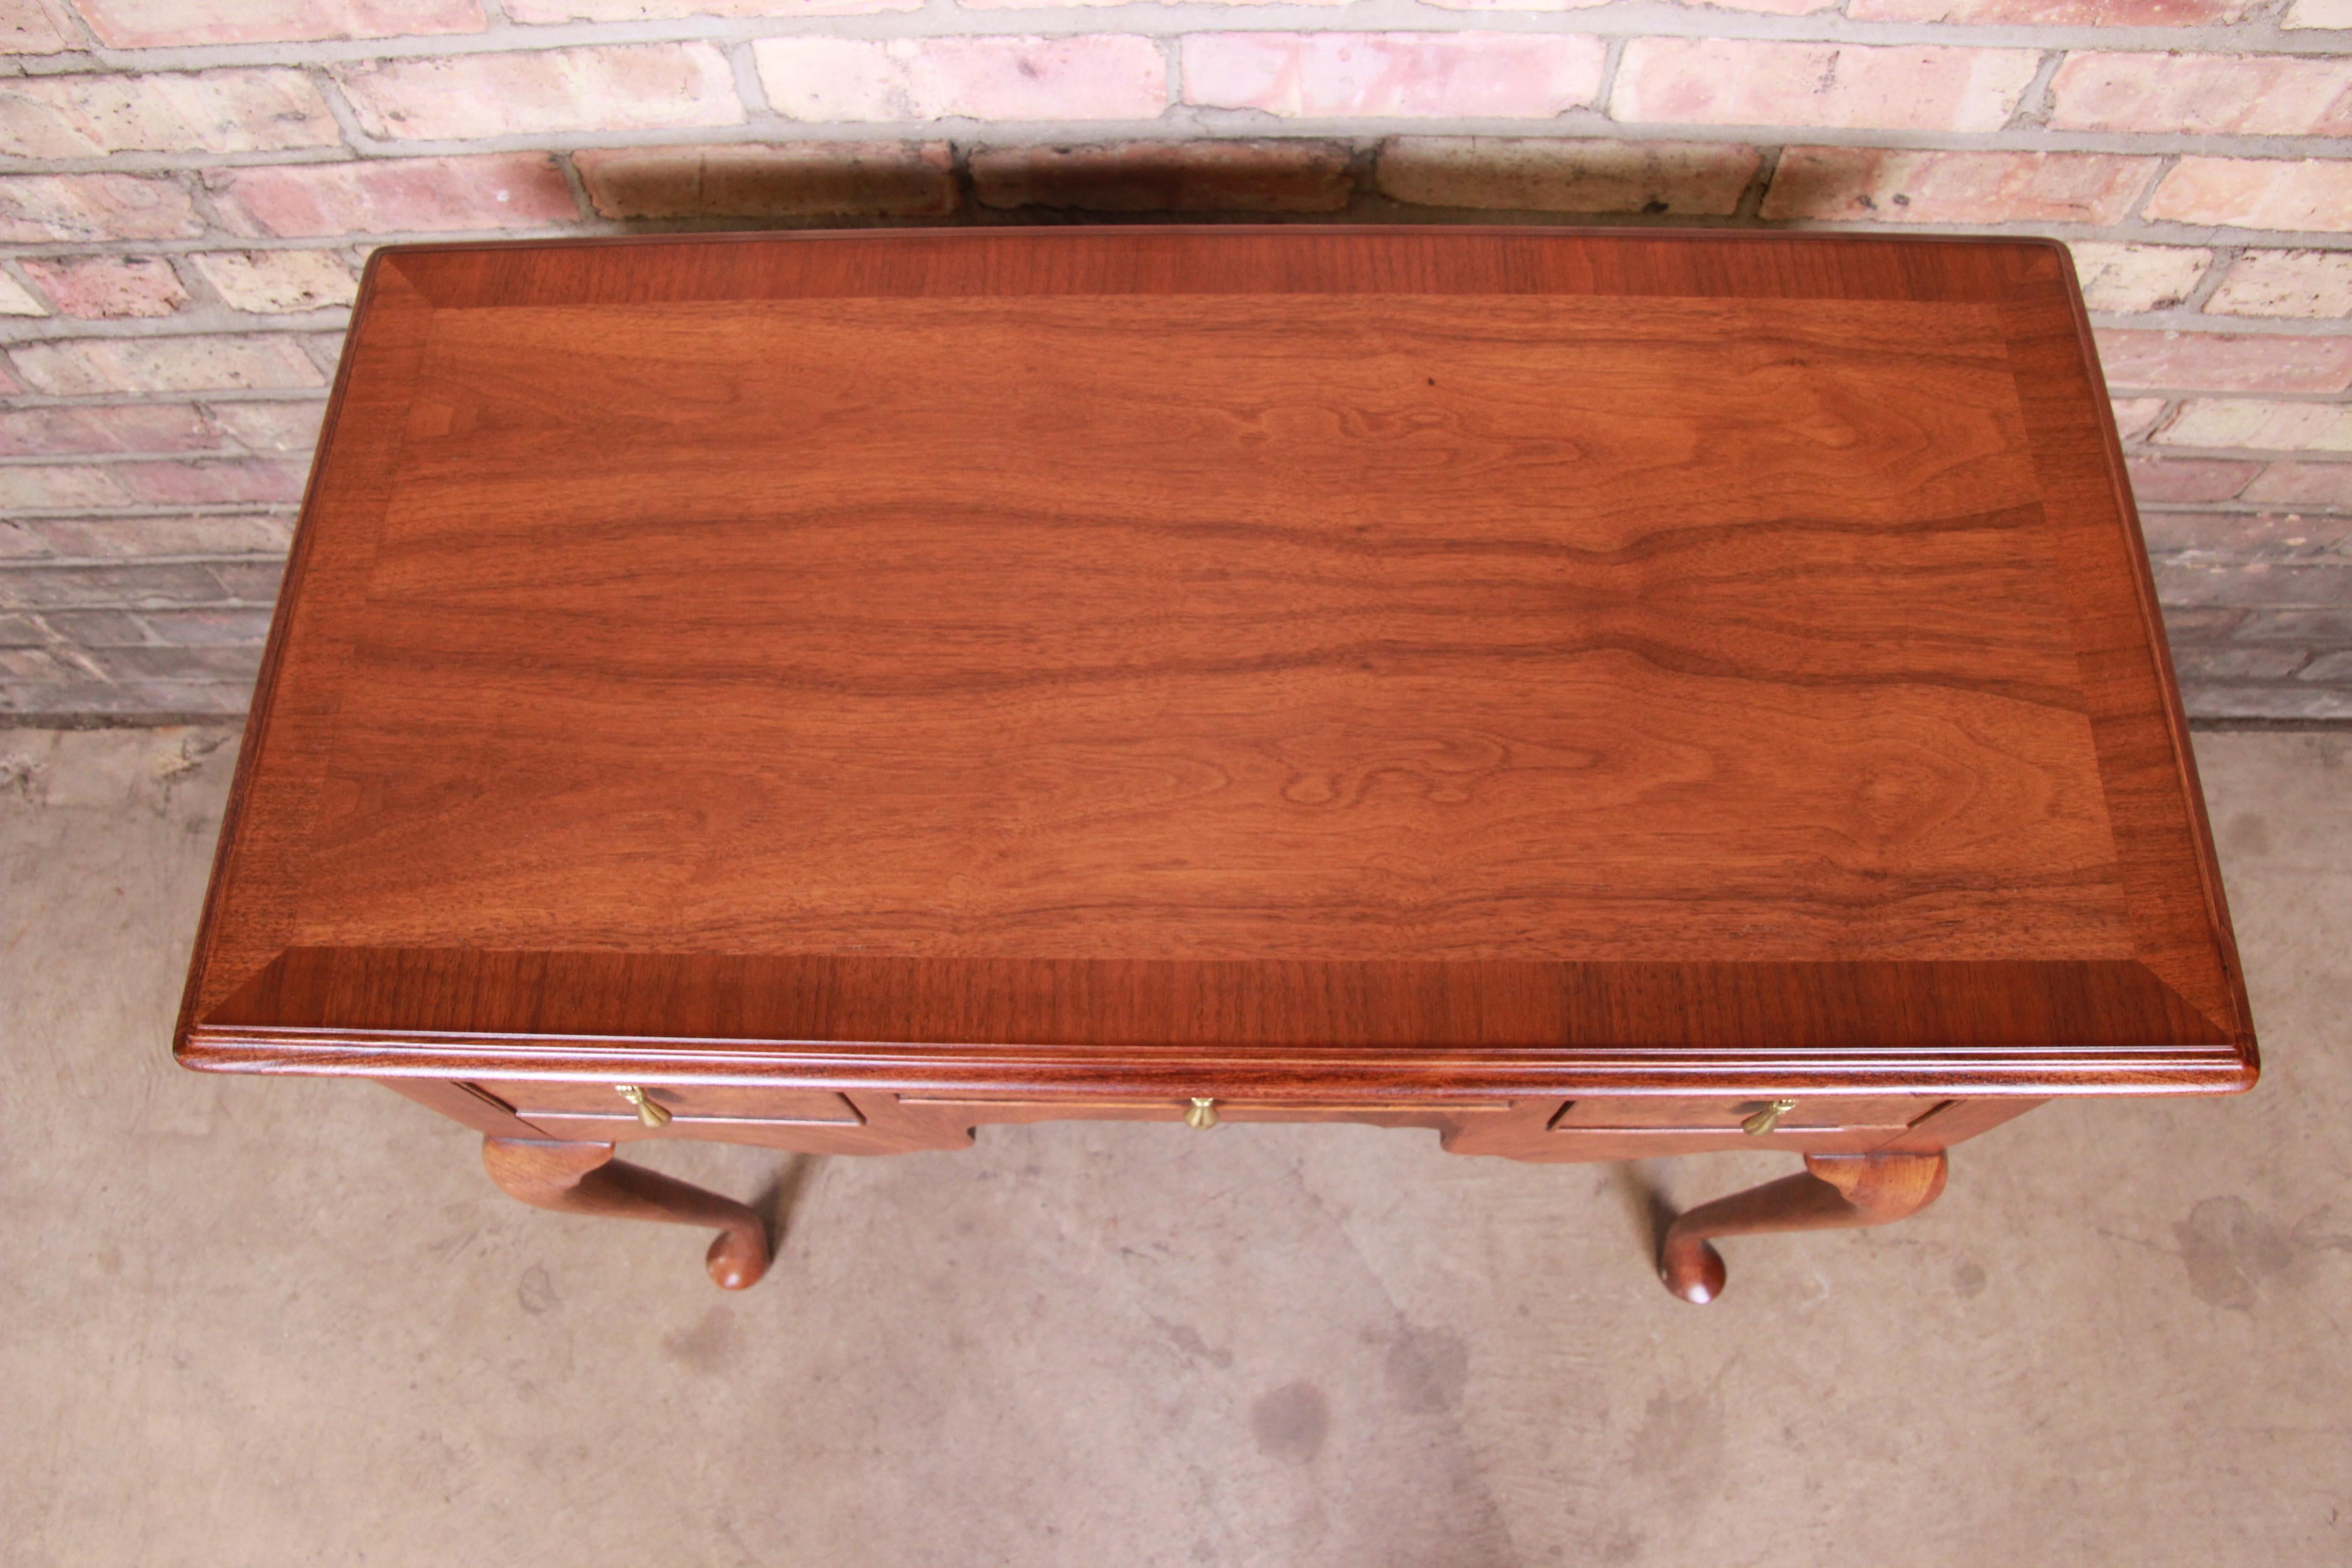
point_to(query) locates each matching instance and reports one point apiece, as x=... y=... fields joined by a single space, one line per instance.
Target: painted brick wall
x=187 y=188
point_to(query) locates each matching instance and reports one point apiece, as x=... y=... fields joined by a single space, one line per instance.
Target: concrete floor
x=250 y=1323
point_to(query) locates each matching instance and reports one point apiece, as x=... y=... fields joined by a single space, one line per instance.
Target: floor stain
x=536 y=1291
x=1968 y=1280
x=1291 y=1423
x=711 y=1345
x=1427 y=1370
x=2247 y=833
x=1187 y=1338
x=1680 y=1439
x=2231 y=1252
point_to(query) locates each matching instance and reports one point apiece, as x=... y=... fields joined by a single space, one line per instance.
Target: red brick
x=124 y=428
x=2270 y=95
x=803 y=179
x=154 y=23
x=2189 y=479
x=96 y=287
x=2055 y=13
x=1564 y=175
x=1875 y=185
x=1501 y=76
x=1167 y=176
x=204 y=112
x=2253 y=192
x=270 y=427
x=75 y=207
x=418 y=195
x=82 y=366
x=1730 y=81
x=1081 y=77
x=2210 y=361
x=2318 y=13
x=31 y=27
x=2325 y=486
x=627 y=86
x=235 y=479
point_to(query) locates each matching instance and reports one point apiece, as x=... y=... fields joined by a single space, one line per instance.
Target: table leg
x=1836 y=1191
x=579 y=1178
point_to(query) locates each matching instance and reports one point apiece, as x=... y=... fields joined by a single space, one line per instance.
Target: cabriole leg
x=579 y=1178
x=1835 y=1192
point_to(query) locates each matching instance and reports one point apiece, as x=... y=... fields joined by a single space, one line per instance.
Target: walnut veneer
x=1569 y=692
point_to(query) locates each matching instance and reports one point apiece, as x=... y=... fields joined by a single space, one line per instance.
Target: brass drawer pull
x=1768 y=1118
x=1202 y=1114
x=650 y=1112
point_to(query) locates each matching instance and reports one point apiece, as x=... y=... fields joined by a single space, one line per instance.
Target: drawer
x=1661 y=1114
x=571 y=1102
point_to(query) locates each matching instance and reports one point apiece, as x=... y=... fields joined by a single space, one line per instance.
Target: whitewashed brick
x=2245 y=95
x=1730 y=81
x=2136 y=416
x=2257 y=192
x=1082 y=77
x=2128 y=277
x=98 y=287
x=78 y=367
x=78 y=207
x=1567 y=175
x=2286 y=283
x=1876 y=184
x=2260 y=424
x=1516 y=76
x=632 y=86
x=15 y=301
x=31 y=27
x=207 y=111
x=156 y=23
x=276 y=282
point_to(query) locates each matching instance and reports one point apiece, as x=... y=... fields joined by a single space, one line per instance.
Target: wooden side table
x=1591 y=695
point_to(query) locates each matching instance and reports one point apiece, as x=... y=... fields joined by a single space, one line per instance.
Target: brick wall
x=187 y=188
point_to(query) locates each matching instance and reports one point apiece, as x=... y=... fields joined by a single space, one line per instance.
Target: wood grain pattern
x=1343 y=663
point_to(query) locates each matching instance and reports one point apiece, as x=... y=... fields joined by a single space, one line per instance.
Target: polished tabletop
x=1466 y=658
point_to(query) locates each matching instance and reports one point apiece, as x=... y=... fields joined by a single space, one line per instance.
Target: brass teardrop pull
x=1768 y=1118
x=650 y=1112
x=1202 y=1114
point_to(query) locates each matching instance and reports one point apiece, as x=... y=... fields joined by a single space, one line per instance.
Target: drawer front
x=541 y=1103
x=985 y=1108
x=1655 y=1114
